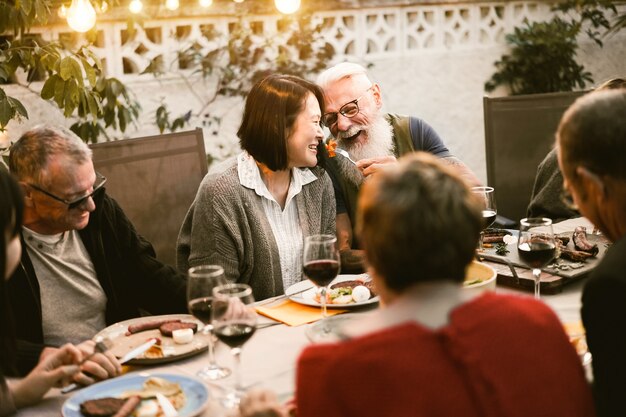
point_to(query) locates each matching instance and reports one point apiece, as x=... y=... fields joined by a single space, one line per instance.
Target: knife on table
x=130 y=355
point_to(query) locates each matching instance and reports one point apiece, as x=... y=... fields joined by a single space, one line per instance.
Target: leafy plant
x=543 y=54
x=75 y=81
x=542 y=60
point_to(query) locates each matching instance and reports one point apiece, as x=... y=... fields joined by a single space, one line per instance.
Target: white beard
x=379 y=143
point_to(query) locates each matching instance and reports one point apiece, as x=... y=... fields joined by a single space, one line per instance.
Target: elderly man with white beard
x=373 y=139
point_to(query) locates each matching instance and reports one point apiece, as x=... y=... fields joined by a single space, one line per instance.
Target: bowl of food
x=479 y=277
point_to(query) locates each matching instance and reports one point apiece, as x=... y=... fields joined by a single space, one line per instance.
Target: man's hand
x=371 y=165
x=99 y=367
x=55 y=369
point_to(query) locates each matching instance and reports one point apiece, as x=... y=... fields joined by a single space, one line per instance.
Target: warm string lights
x=81 y=15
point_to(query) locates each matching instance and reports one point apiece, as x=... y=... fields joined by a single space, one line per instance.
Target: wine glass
x=234 y=321
x=536 y=246
x=201 y=281
x=488 y=199
x=321 y=263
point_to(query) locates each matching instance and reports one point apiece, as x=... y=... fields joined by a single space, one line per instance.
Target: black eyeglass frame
x=97 y=186
x=335 y=115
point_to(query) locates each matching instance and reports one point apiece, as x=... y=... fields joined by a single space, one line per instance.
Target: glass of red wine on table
x=536 y=246
x=200 y=284
x=234 y=323
x=321 y=263
x=487 y=197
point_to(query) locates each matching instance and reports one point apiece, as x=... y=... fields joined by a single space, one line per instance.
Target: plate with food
x=177 y=335
x=137 y=394
x=345 y=291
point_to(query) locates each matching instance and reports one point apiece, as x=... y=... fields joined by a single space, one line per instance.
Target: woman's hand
x=55 y=369
x=262 y=403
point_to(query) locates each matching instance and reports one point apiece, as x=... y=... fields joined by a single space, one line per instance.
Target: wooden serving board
x=512 y=272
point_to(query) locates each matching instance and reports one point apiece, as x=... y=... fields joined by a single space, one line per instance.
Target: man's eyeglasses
x=349 y=110
x=97 y=186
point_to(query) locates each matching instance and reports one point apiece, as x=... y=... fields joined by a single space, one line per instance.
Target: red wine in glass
x=321 y=272
x=536 y=246
x=537 y=254
x=489 y=216
x=200 y=308
x=235 y=334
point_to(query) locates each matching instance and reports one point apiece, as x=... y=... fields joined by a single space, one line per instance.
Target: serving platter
x=123 y=343
x=304 y=293
x=196 y=393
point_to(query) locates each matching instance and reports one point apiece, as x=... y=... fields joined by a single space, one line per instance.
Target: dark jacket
x=126 y=267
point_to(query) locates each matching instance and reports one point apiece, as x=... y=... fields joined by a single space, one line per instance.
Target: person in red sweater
x=433 y=350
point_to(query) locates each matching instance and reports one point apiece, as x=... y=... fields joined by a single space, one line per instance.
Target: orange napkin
x=294 y=314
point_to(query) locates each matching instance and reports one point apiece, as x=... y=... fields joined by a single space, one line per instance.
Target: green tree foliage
x=245 y=56
x=74 y=79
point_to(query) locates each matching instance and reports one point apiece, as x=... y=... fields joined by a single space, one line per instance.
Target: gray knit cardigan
x=226 y=225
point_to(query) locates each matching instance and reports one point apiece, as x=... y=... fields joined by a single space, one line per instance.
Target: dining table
x=270 y=357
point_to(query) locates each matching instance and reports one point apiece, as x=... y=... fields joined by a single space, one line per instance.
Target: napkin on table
x=294 y=314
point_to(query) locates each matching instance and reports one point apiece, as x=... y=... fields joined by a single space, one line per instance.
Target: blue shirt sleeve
x=426 y=139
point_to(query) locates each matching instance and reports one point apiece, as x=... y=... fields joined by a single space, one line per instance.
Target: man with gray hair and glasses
x=84 y=266
x=373 y=139
x=591 y=150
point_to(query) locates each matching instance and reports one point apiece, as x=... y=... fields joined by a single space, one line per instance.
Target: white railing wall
x=431 y=61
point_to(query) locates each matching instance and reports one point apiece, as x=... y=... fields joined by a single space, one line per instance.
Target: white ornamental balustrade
x=364 y=34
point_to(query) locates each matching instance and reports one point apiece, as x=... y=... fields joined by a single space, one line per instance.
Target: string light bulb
x=135 y=6
x=205 y=3
x=104 y=6
x=81 y=16
x=238 y=1
x=62 y=12
x=172 y=4
x=287 y=6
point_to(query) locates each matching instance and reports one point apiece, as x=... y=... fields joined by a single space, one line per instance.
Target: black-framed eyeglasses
x=350 y=109
x=97 y=186
x=568 y=200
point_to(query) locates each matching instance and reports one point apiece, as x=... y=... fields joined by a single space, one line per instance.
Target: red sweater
x=499 y=356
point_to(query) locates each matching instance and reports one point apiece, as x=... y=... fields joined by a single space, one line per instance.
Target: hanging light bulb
x=205 y=3
x=135 y=6
x=81 y=15
x=104 y=6
x=172 y=4
x=238 y=1
x=287 y=6
x=62 y=11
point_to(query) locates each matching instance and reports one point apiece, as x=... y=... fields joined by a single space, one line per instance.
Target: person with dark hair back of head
x=591 y=148
x=546 y=199
x=83 y=267
x=435 y=349
x=252 y=215
x=56 y=369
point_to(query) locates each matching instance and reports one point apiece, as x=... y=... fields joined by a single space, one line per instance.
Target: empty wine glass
x=234 y=321
x=321 y=263
x=201 y=281
x=488 y=199
x=536 y=246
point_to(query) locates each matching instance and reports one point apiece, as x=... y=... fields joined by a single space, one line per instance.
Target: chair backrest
x=519 y=132
x=154 y=179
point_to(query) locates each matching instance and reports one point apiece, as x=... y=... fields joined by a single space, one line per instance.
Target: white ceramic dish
x=486 y=274
x=308 y=297
x=196 y=393
x=123 y=344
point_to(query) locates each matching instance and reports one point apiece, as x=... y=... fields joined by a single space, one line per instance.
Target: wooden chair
x=154 y=179
x=519 y=132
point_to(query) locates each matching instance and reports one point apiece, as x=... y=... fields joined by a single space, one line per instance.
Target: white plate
x=307 y=297
x=196 y=393
x=123 y=344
